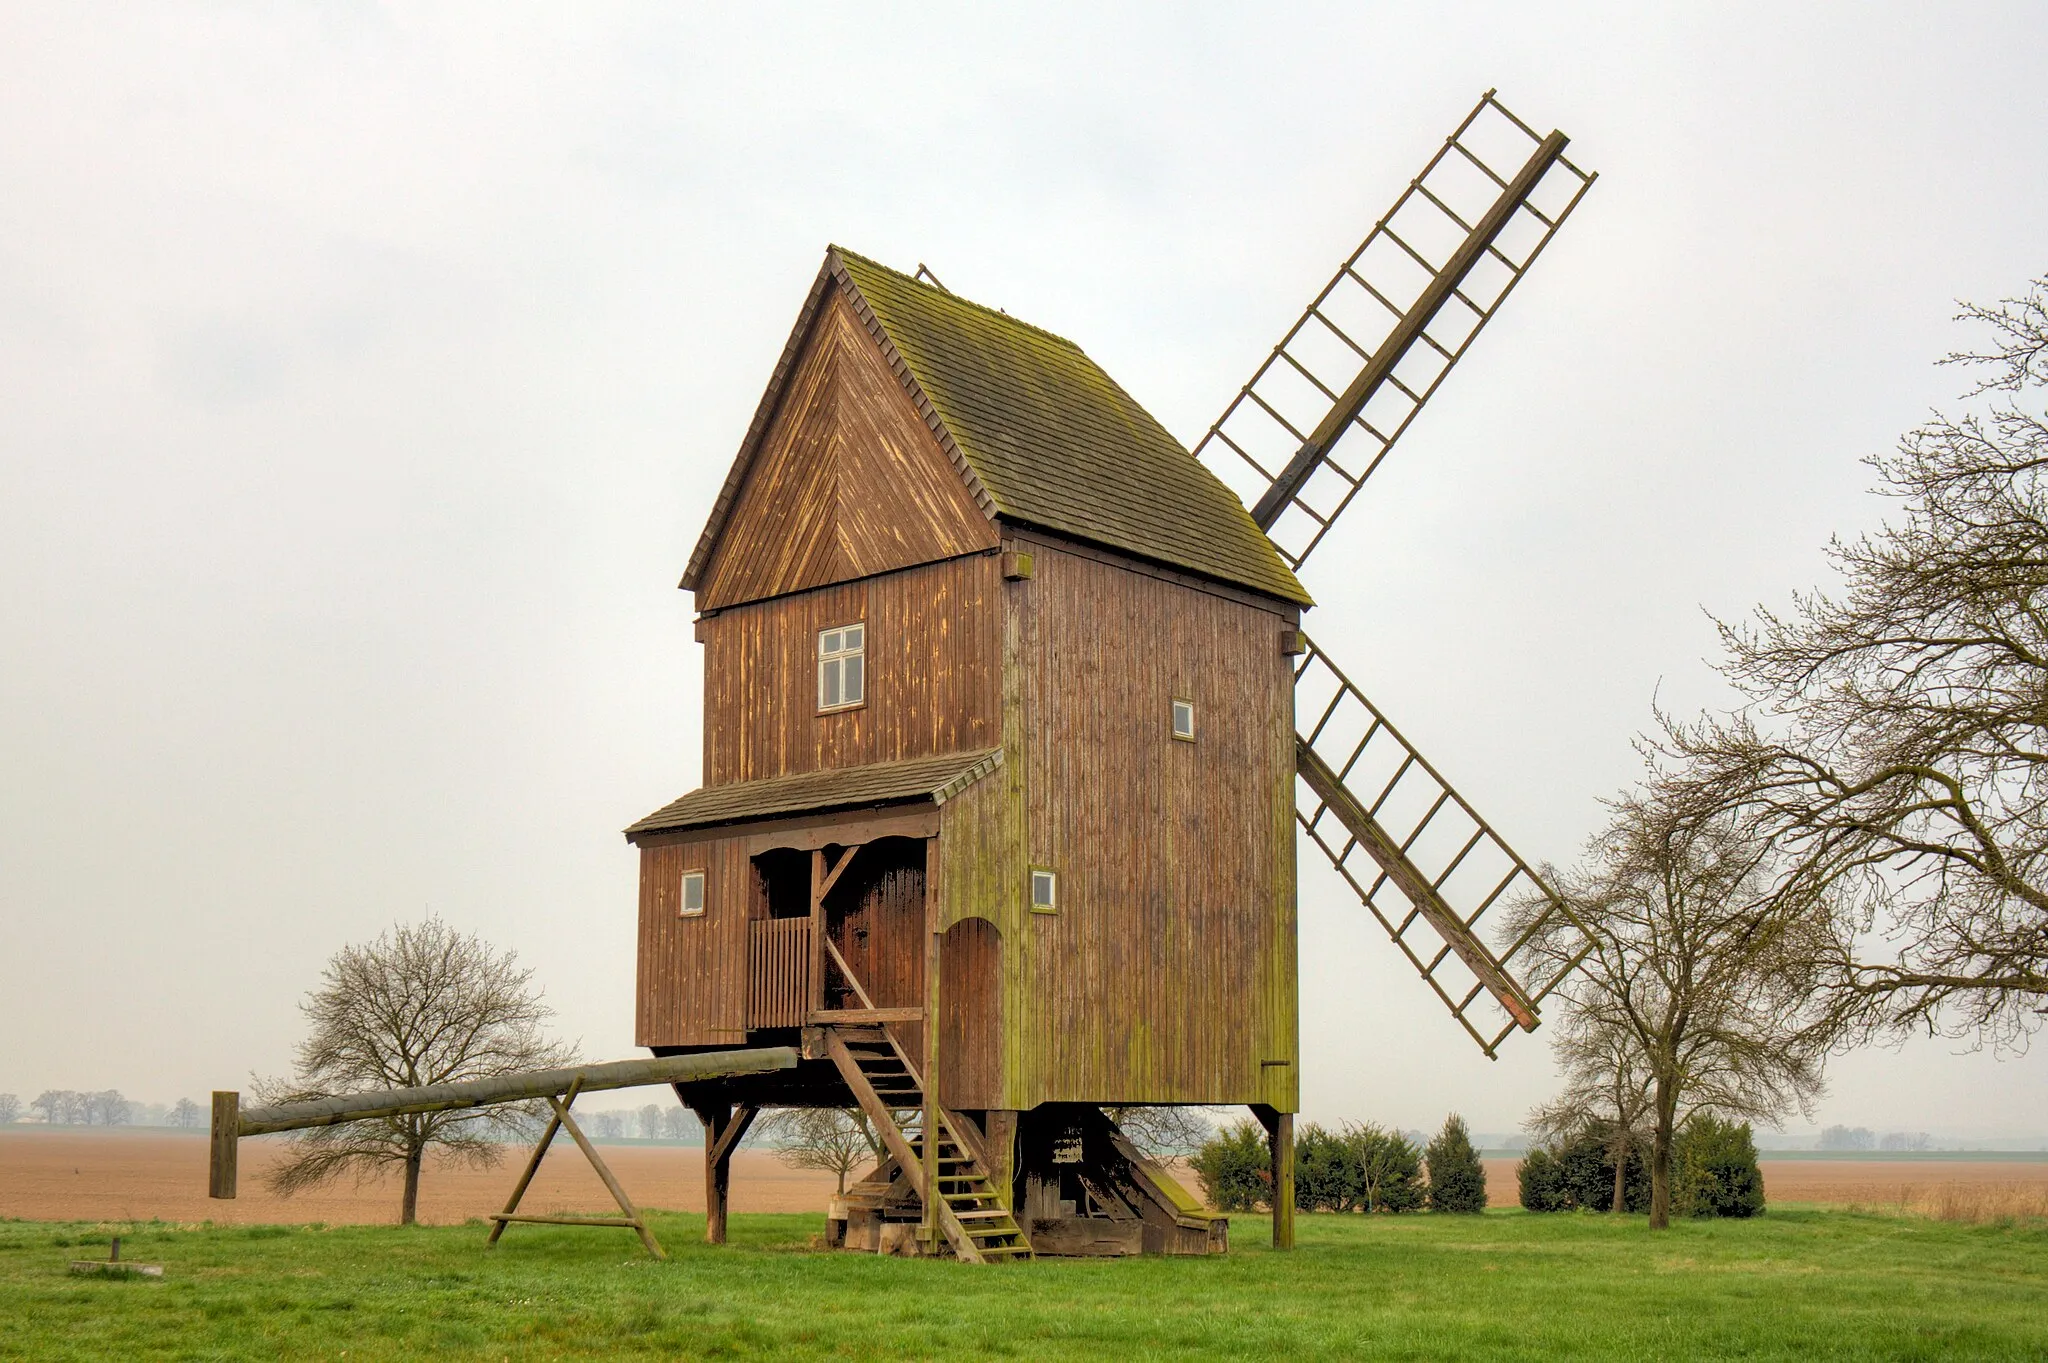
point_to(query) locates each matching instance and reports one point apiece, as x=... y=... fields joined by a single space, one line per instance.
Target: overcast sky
x=367 y=372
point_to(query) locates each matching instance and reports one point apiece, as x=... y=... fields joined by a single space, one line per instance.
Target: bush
x=1328 y=1176
x=1391 y=1169
x=1457 y=1180
x=1713 y=1169
x=1579 y=1175
x=1541 y=1179
x=1713 y=1173
x=1235 y=1168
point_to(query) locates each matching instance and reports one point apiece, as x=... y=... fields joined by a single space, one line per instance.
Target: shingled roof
x=937 y=779
x=1043 y=436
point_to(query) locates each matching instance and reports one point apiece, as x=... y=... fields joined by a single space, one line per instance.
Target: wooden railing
x=778 y=972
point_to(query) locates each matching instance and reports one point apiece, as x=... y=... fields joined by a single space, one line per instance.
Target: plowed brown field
x=71 y=1174
x=137 y=1175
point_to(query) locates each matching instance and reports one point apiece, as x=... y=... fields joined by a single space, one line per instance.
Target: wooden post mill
x=1010 y=723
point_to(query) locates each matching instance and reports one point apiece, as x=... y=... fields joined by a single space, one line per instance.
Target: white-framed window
x=690 y=901
x=842 y=680
x=1184 y=719
x=1045 y=891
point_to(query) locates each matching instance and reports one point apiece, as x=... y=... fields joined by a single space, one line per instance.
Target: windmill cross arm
x=1414 y=885
x=1380 y=367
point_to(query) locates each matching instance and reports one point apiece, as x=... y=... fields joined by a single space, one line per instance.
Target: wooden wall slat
x=931 y=670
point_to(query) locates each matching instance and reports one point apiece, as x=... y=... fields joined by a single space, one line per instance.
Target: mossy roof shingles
x=1056 y=443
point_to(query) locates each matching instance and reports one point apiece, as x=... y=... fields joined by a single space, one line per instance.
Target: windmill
x=1010 y=722
x=1298 y=443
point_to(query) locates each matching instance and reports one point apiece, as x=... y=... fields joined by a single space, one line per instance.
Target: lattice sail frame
x=1419 y=830
x=1368 y=353
x=1406 y=305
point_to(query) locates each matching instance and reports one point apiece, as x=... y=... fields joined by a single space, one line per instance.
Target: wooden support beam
x=867 y=1005
x=512 y=1088
x=632 y=1219
x=540 y=1152
x=999 y=1153
x=604 y=1172
x=1413 y=884
x=863 y=1017
x=1280 y=1145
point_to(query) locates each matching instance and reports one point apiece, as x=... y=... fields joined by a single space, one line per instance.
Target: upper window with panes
x=842 y=681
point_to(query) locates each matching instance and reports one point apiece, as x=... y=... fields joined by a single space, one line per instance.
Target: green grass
x=1794 y=1284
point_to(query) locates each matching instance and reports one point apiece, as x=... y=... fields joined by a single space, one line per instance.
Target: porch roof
x=937 y=779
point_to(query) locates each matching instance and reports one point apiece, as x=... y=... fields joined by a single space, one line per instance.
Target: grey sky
x=368 y=373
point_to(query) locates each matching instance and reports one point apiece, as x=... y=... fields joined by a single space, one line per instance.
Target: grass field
x=1794 y=1284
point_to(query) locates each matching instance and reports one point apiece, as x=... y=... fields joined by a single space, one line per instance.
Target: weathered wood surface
x=1168 y=972
x=931 y=673
x=848 y=481
x=513 y=1088
x=224 y=1156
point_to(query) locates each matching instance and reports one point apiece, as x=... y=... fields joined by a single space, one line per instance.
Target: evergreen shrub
x=1457 y=1180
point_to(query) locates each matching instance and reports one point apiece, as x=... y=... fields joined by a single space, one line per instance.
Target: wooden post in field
x=225 y=1144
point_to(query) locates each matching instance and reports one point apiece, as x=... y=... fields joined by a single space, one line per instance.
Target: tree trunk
x=1620 y=1177
x=1660 y=1156
x=409 y=1211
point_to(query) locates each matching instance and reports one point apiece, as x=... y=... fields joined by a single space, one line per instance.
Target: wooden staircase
x=970 y=1214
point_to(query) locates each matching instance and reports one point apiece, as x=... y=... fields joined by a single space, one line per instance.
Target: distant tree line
x=102 y=1107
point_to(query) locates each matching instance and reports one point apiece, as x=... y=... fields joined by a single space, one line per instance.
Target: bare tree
x=10 y=1109
x=650 y=1123
x=1699 y=976
x=675 y=1123
x=1164 y=1132
x=1608 y=1087
x=606 y=1126
x=187 y=1113
x=836 y=1140
x=106 y=1108
x=1896 y=743
x=60 y=1107
x=423 y=1004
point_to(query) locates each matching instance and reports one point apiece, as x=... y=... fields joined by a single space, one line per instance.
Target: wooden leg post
x=1000 y=1145
x=1280 y=1140
x=226 y=1145
x=724 y=1128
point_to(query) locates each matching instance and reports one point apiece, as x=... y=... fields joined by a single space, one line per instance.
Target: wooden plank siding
x=932 y=673
x=692 y=988
x=849 y=481
x=1168 y=972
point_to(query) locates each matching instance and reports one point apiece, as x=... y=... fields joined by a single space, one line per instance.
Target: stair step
x=999 y=1212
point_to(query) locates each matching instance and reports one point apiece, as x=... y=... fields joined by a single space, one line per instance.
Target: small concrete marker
x=113 y=1266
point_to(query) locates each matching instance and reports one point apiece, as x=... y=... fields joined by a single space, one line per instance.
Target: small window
x=1044 y=891
x=841 y=682
x=692 y=900
x=1184 y=720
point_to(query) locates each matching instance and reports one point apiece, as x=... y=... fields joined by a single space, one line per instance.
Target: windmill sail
x=1387 y=329
x=1415 y=852
x=1369 y=352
